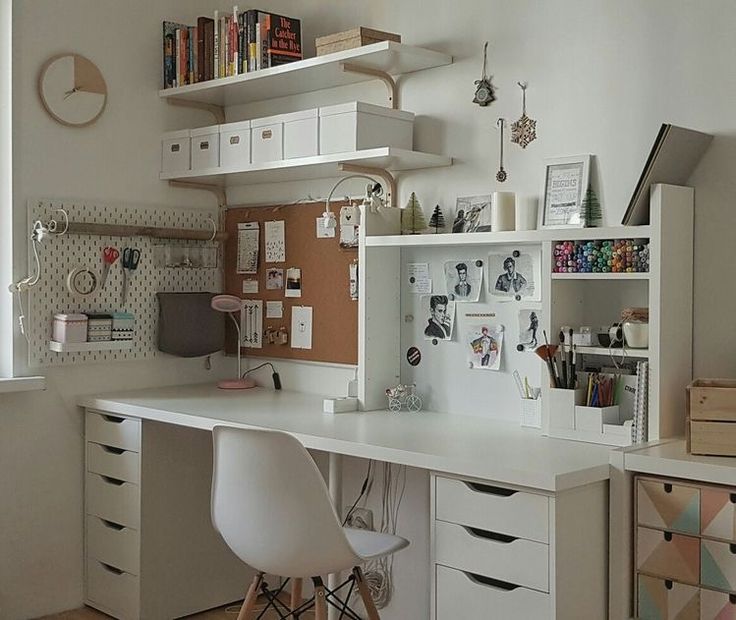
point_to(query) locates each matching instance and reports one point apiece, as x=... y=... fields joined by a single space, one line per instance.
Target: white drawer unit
x=175 y=151
x=301 y=134
x=113 y=544
x=235 y=144
x=523 y=562
x=267 y=136
x=493 y=508
x=141 y=487
x=205 y=147
x=500 y=551
x=113 y=462
x=114 y=430
x=464 y=596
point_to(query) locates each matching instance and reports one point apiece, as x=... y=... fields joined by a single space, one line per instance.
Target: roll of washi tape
x=81 y=281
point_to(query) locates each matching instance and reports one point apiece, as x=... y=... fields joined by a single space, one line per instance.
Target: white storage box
x=355 y=126
x=267 y=135
x=301 y=134
x=175 y=151
x=206 y=147
x=235 y=144
x=70 y=328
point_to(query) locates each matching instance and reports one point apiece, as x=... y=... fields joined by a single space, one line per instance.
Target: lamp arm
x=340 y=182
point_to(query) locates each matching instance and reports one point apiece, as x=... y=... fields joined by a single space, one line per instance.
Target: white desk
x=567 y=480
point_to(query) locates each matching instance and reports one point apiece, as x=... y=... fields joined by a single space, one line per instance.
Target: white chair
x=272 y=507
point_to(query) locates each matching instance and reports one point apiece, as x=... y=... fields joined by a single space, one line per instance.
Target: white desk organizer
x=59 y=254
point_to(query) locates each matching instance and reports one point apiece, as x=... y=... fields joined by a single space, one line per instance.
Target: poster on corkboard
x=325 y=270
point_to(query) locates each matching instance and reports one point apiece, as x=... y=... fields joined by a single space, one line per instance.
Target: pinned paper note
x=274 y=309
x=248 y=235
x=293 y=282
x=324 y=232
x=418 y=277
x=275 y=242
x=301 y=327
x=250 y=286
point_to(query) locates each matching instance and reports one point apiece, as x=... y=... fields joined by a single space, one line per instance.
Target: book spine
x=201 y=26
x=216 y=55
x=285 y=44
x=184 y=56
x=191 y=38
x=226 y=38
x=242 y=67
x=168 y=58
x=251 y=19
x=177 y=57
x=235 y=40
x=264 y=26
x=209 y=49
x=223 y=46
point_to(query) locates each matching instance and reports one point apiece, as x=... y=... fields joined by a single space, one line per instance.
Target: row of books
x=228 y=44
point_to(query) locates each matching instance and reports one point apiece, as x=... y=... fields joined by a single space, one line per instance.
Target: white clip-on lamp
x=372 y=198
x=232 y=305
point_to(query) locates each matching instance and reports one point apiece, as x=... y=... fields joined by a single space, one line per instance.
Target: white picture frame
x=564 y=184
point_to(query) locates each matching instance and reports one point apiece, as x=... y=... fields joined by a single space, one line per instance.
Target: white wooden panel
x=519 y=514
x=519 y=561
x=112 y=430
x=114 y=545
x=114 y=592
x=119 y=503
x=463 y=597
x=111 y=462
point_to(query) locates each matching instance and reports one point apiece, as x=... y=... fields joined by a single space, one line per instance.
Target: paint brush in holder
x=547 y=354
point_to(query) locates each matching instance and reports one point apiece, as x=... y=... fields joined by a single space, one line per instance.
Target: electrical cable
x=364 y=491
x=274 y=375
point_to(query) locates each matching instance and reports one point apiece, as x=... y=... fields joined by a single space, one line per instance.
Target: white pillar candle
x=503 y=211
x=526 y=213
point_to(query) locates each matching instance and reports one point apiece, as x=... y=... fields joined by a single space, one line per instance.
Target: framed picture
x=472 y=214
x=566 y=180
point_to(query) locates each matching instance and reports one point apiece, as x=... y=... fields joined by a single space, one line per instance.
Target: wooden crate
x=353 y=38
x=711 y=417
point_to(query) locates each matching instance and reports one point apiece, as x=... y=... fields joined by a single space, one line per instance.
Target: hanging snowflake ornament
x=523 y=131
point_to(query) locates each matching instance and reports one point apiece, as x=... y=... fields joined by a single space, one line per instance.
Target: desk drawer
x=113 y=462
x=113 y=544
x=718 y=512
x=662 y=504
x=717 y=605
x=113 y=430
x=464 y=596
x=668 y=555
x=516 y=560
x=718 y=564
x=114 y=500
x=495 y=509
x=114 y=592
x=667 y=600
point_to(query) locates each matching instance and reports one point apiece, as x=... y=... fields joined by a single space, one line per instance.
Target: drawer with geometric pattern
x=664 y=505
x=661 y=599
x=668 y=555
x=718 y=513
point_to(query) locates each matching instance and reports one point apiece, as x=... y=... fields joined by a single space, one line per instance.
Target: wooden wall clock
x=72 y=90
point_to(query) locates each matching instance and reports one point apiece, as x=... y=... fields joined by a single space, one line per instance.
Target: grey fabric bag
x=188 y=326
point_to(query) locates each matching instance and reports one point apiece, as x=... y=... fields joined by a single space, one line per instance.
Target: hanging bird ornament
x=524 y=130
x=485 y=92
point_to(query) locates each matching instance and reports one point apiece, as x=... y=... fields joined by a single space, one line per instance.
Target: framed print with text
x=566 y=180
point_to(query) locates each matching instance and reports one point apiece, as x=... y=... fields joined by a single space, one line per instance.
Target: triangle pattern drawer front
x=718 y=565
x=718 y=513
x=718 y=605
x=667 y=555
x=661 y=600
x=664 y=505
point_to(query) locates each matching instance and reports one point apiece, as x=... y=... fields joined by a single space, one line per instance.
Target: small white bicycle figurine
x=403 y=395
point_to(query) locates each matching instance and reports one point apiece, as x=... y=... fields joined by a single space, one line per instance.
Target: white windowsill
x=22 y=384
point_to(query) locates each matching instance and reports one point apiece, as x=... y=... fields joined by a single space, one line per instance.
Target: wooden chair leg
x=250 y=599
x=320 y=602
x=296 y=593
x=365 y=594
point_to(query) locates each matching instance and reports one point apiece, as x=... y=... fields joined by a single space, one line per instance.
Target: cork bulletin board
x=325 y=281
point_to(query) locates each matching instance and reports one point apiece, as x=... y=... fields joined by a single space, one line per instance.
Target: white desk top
x=671 y=459
x=455 y=444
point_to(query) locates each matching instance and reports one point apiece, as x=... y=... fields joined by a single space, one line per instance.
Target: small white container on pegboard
x=70 y=328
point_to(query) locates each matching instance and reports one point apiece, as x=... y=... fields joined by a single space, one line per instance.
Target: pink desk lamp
x=232 y=305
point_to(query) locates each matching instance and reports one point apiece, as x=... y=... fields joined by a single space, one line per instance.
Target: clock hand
x=69 y=93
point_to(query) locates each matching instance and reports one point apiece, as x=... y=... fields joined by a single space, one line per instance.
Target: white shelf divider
x=310 y=74
x=77 y=347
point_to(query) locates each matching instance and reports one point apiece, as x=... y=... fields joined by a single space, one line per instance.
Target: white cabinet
x=150 y=548
x=499 y=551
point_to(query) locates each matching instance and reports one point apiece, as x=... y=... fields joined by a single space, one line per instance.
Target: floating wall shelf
x=77 y=347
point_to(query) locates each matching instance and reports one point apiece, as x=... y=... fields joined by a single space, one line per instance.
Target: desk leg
x=334 y=479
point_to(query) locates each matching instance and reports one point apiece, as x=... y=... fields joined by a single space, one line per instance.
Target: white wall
x=602 y=77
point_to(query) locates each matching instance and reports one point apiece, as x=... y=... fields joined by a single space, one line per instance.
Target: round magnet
x=412 y=280
x=517 y=297
x=520 y=348
x=516 y=253
x=435 y=341
x=451 y=296
x=413 y=356
x=479 y=263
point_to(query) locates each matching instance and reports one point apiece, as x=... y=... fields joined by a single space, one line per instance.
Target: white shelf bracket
x=393 y=91
x=217 y=111
x=218 y=191
x=382 y=174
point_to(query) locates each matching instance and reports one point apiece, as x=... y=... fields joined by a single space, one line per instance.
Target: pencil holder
x=531 y=412
x=593 y=418
x=562 y=407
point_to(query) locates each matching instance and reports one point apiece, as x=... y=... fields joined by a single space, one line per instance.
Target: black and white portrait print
x=440 y=313
x=463 y=280
x=511 y=275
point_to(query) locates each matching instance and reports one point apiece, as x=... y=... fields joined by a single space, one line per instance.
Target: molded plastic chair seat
x=371 y=545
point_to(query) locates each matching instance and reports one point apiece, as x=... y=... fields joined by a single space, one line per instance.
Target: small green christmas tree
x=592 y=208
x=412 y=217
x=437 y=221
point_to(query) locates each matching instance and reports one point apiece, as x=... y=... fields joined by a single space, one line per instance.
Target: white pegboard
x=60 y=254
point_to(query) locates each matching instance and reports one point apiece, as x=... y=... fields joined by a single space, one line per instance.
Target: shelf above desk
x=310 y=74
x=453 y=444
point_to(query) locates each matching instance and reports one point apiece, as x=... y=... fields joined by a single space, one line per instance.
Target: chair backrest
x=271 y=505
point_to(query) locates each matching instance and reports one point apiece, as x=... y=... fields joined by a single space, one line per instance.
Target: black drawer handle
x=112 y=449
x=111 y=569
x=668 y=536
x=667 y=487
x=115 y=481
x=488 y=581
x=732 y=497
x=504 y=538
x=668 y=584
x=491 y=490
x=732 y=599
x=113 y=419
x=732 y=548
x=111 y=524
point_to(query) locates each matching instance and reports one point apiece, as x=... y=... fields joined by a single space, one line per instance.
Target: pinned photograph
x=463 y=280
x=511 y=275
x=529 y=330
x=485 y=343
x=473 y=214
x=274 y=279
x=440 y=313
x=293 y=282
